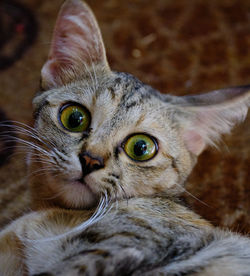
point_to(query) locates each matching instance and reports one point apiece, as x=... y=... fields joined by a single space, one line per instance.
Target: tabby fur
x=123 y=218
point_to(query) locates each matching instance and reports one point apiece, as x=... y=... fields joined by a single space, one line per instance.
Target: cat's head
x=101 y=131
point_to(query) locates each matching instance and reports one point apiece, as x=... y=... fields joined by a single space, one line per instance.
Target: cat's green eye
x=140 y=147
x=74 y=117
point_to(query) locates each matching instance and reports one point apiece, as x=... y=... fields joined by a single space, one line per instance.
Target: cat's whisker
x=48 y=167
x=20 y=149
x=42 y=161
x=37 y=157
x=56 y=195
x=59 y=154
x=14 y=123
x=193 y=196
x=123 y=191
x=23 y=150
x=15 y=131
x=116 y=204
x=116 y=200
x=18 y=127
x=27 y=143
x=44 y=169
x=100 y=211
x=37 y=174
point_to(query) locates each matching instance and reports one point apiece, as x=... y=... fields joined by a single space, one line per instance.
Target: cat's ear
x=204 y=118
x=77 y=48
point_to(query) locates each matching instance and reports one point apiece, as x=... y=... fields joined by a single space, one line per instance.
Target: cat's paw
x=101 y=262
x=124 y=262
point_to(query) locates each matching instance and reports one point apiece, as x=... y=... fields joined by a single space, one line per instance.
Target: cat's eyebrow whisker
x=94 y=80
x=94 y=71
x=67 y=60
x=95 y=75
x=91 y=76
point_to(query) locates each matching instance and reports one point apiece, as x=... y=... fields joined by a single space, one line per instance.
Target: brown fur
x=149 y=229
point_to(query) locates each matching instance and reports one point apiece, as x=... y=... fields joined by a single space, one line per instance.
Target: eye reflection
x=140 y=147
x=74 y=117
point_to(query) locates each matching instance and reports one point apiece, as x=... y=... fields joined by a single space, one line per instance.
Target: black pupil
x=75 y=119
x=140 y=148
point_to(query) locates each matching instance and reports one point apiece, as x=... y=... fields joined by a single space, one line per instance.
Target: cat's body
x=142 y=236
x=102 y=136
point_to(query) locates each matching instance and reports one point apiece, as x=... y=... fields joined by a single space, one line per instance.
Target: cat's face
x=129 y=130
x=106 y=132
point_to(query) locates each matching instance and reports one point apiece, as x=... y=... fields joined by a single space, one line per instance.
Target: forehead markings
x=134 y=97
x=140 y=120
x=130 y=99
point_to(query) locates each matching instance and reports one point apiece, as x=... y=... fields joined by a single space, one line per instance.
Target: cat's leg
x=227 y=254
x=101 y=262
x=12 y=244
x=219 y=267
x=11 y=254
x=35 y=245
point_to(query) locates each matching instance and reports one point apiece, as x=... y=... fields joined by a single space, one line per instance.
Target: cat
x=114 y=155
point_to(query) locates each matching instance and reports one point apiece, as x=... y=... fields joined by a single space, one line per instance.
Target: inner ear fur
x=204 y=118
x=77 y=49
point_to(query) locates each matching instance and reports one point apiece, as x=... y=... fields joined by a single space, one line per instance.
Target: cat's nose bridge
x=99 y=144
x=90 y=163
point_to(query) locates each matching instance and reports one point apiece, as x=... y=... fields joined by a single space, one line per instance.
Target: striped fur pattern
x=141 y=236
x=124 y=217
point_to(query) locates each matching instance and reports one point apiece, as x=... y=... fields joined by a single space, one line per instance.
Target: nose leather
x=90 y=163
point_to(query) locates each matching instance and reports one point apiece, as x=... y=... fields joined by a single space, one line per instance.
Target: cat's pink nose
x=90 y=163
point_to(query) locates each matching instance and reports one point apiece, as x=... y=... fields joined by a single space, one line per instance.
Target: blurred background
x=179 y=47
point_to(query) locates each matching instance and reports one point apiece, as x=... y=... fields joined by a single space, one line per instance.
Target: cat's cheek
x=93 y=183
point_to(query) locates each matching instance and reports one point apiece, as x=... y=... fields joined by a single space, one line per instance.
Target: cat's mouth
x=83 y=184
x=81 y=181
x=79 y=194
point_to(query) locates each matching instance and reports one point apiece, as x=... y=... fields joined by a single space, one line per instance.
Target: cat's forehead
x=119 y=105
x=119 y=95
x=121 y=87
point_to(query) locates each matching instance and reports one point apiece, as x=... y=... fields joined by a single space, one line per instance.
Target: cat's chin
x=77 y=194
